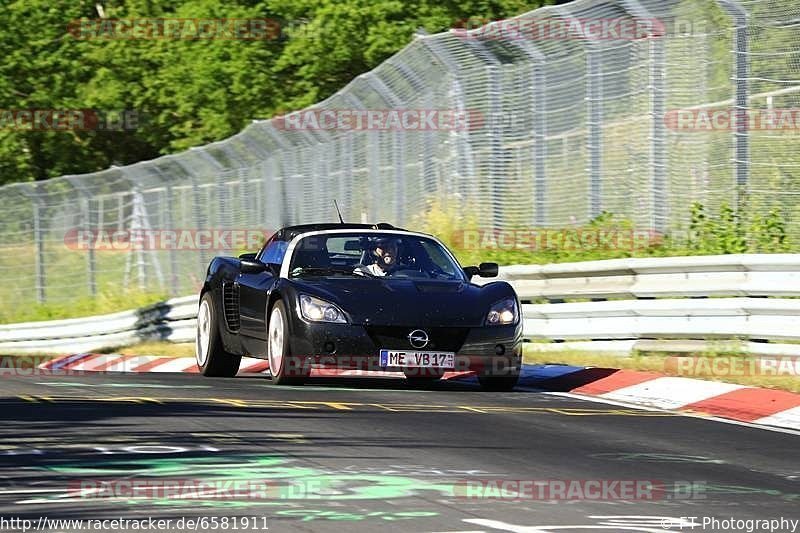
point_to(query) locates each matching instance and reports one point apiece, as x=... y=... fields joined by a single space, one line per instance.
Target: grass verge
x=104 y=303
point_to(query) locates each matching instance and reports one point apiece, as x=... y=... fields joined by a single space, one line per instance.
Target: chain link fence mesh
x=571 y=127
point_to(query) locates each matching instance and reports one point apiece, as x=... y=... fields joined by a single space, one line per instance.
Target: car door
x=254 y=290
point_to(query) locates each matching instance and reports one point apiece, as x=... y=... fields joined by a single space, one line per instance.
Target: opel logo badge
x=418 y=338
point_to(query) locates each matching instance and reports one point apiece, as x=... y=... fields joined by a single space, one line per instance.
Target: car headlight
x=503 y=313
x=318 y=310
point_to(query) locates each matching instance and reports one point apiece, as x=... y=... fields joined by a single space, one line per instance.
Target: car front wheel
x=281 y=366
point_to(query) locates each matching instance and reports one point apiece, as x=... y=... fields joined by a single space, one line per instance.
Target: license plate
x=418 y=359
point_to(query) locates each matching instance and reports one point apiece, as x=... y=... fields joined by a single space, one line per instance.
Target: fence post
x=38 y=237
x=594 y=103
x=398 y=149
x=656 y=78
x=465 y=167
x=741 y=134
x=173 y=262
x=86 y=220
x=199 y=219
x=497 y=159
x=658 y=181
x=374 y=170
x=539 y=89
x=539 y=147
x=347 y=177
x=281 y=176
x=86 y=216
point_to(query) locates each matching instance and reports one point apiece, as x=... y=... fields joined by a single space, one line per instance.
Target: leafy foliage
x=728 y=233
x=191 y=92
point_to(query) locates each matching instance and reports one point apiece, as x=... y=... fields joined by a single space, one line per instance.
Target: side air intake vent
x=230 y=303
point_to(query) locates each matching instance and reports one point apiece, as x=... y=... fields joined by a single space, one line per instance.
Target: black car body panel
x=380 y=313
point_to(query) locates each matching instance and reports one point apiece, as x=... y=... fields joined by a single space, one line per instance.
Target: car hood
x=405 y=302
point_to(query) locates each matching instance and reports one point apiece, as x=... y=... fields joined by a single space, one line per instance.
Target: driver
x=385 y=256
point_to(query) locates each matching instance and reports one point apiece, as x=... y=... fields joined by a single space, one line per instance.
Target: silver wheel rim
x=203 y=333
x=275 y=341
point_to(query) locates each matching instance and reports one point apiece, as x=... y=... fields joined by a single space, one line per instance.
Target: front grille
x=230 y=304
x=444 y=339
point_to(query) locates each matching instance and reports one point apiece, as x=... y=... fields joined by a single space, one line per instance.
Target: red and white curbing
x=767 y=407
x=92 y=362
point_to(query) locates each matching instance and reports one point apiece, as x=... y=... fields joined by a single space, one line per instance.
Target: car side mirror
x=485 y=270
x=248 y=257
x=488 y=270
x=247 y=266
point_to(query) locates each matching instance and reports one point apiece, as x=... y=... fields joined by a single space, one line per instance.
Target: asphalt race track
x=362 y=454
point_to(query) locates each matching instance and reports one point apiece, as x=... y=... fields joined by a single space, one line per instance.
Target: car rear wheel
x=210 y=354
x=281 y=369
x=499 y=383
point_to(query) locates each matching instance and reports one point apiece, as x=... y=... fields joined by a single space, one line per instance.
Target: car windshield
x=373 y=255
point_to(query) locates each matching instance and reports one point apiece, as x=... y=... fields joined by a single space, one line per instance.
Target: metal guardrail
x=173 y=320
x=633 y=303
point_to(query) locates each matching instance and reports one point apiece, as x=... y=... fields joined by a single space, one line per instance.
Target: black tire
x=499 y=383
x=281 y=373
x=217 y=362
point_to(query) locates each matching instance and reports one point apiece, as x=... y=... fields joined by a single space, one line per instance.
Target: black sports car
x=358 y=296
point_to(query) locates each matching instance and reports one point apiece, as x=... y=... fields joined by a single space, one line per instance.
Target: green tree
x=191 y=92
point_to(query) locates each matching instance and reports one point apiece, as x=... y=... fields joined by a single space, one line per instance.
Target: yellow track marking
x=354 y=406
